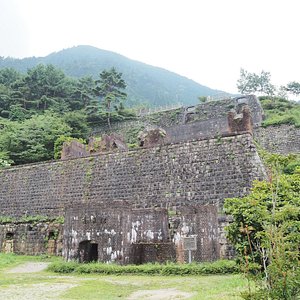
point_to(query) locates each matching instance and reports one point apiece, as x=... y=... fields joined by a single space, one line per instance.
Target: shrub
x=280 y=111
x=218 y=267
x=265 y=232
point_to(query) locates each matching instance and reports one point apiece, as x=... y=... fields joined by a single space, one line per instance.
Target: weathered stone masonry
x=283 y=139
x=196 y=172
x=189 y=179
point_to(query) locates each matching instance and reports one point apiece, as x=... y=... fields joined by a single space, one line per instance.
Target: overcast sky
x=205 y=40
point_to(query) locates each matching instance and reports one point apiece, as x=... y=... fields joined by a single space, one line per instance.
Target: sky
x=208 y=41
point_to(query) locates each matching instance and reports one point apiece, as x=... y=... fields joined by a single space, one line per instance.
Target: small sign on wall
x=190 y=243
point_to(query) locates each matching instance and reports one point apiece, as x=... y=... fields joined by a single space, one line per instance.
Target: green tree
x=8 y=76
x=293 y=88
x=202 y=99
x=110 y=88
x=5 y=161
x=33 y=139
x=5 y=100
x=84 y=90
x=251 y=83
x=266 y=232
x=77 y=120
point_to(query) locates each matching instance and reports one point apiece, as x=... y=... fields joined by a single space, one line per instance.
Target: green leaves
x=280 y=111
x=44 y=104
x=251 y=83
x=110 y=88
x=293 y=87
x=266 y=231
x=33 y=139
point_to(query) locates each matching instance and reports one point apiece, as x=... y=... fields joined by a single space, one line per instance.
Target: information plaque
x=190 y=243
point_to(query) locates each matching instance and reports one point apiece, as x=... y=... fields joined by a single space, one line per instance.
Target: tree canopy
x=251 y=83
x=266 y=230
x=38 y=107
x=110 y=88
x=293 y=87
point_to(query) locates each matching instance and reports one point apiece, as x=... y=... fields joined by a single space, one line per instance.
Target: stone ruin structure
x=151 y=136
x=74 y=149
x=112 y=204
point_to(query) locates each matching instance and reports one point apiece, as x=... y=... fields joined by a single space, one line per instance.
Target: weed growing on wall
x=31 y=219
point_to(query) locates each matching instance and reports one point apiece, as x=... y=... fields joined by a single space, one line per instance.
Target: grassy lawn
x=219 y=287
x=49 y=285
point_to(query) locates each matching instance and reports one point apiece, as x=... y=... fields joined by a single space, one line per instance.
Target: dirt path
x=30 y=267
x=53 y=290
x=163 y=294
x=33 y=291
x=39 y=291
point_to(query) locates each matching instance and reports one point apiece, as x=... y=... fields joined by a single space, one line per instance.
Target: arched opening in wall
x=88 y=251
x=9 y=242
x=51 y=244
x=9 y=236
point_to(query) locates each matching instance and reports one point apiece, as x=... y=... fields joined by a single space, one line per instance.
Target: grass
x=112 y=287
x=225 y=287
x=280 y=111
x=11 y=260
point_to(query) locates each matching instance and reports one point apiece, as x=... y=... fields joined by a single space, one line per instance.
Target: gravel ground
x=39 y=291
x=34 y=291
x=30 y=267
x=163 y=294
x=47 y=291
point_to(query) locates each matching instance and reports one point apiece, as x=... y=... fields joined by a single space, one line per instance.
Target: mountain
x=146 y=84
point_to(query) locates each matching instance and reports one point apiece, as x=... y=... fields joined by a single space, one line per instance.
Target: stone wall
x=126 y=235
x=129 y=207
x=113 y=230
x=283 y=139
x=197 y=172
x=200 y=222
x=31 y=238
x=205 y=120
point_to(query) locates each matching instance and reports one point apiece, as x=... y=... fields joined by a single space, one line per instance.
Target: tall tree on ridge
x=293 y=88
x=249 y=83
x=110 y=88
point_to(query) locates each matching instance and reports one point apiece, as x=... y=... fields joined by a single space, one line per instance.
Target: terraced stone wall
x=183 y=174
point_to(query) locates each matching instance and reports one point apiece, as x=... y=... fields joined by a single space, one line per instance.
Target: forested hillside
x=146 y=85
x=44 y=106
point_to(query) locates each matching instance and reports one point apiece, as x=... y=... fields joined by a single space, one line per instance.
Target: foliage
x=33 y=139
x=38 y=107
x=77 y=120
x=251 y=83
x=218 y=267
x=265 y=231
x=31 y=219
x=110 y=88
x=292 y=167
x=132 y=135
x=202 y=99
x=6 y=220
x=58 y=144
x=293 y=88
x=5 y=161
x=280 y=111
